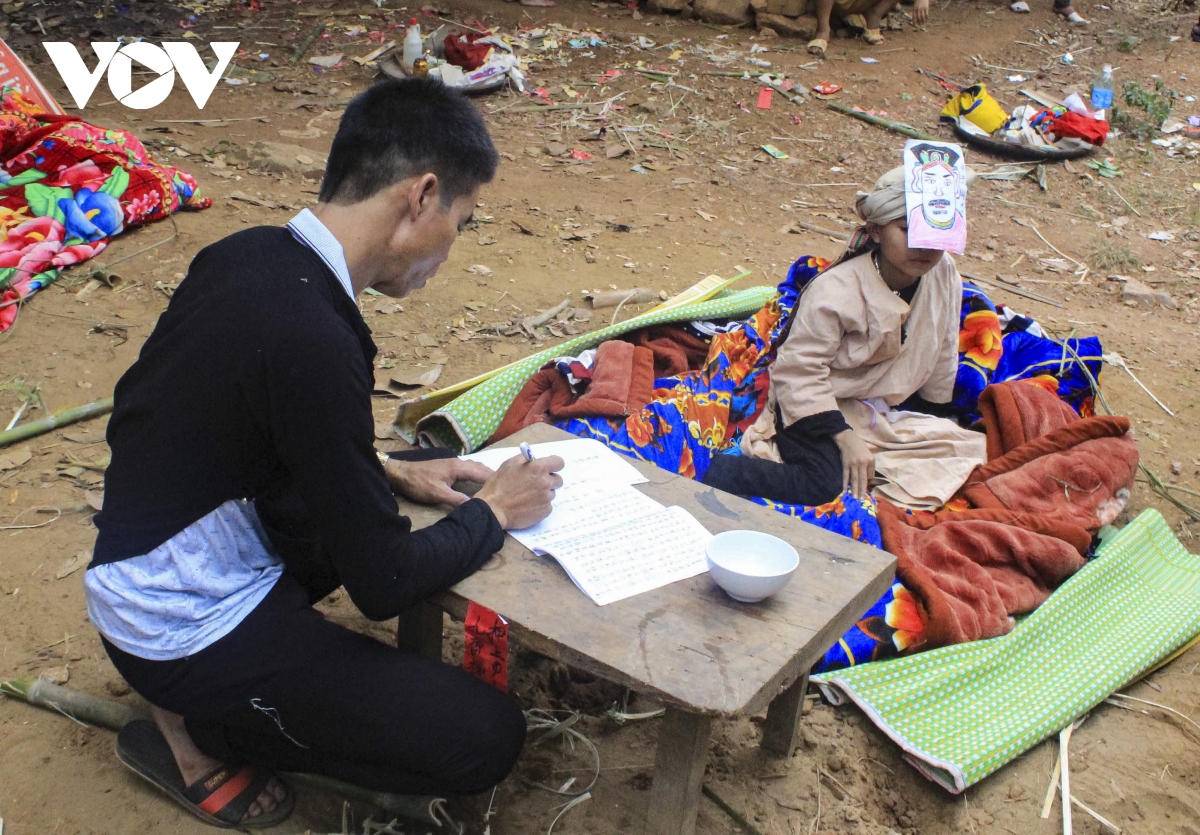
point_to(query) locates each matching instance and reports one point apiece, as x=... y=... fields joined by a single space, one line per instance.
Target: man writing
x=244 y=486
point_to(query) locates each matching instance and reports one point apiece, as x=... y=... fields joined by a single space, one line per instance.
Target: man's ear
x=426 y=193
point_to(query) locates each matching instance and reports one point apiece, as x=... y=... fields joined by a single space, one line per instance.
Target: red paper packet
x=764 y=98
x=485 y=654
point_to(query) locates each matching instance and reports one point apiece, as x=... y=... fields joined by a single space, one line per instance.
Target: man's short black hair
x=404 y=128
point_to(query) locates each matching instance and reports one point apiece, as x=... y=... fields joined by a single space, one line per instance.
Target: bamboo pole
x=307 y=43
x=82 y=707
x=897 y=127
x=63 y=418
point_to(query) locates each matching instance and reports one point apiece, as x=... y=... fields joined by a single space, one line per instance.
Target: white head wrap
x=885 y=202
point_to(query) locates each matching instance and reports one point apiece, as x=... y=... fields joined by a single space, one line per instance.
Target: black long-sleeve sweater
x=256 y=383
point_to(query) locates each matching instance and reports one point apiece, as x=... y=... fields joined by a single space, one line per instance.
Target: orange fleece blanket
x=1023 y=521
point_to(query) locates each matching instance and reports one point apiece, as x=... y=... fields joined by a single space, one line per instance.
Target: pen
x=526 y=451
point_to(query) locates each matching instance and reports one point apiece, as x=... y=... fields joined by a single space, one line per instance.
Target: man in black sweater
x=244 y=486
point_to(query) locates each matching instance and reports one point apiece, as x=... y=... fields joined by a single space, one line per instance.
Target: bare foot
x=194 y=763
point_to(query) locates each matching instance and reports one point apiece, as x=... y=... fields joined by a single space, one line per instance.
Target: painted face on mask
x=938 y=191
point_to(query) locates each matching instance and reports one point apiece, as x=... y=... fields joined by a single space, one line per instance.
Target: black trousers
x=290 y=691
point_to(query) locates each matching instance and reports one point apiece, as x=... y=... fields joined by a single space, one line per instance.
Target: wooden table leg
x=783 y=719
x=678 y=773
x=419 y=630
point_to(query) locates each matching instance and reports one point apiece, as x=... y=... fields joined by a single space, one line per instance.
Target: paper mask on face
x=935 y=195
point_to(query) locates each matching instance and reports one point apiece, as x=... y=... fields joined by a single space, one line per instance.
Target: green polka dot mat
x=961 y=712
x=465 y=423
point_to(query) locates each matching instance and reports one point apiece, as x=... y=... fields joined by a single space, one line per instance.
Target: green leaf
x=6 y=276
x=31 y=175
x=116 y=183
x=43 y=200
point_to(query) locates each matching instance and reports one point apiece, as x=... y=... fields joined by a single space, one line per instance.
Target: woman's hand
x=858 y=463
x=921 y=12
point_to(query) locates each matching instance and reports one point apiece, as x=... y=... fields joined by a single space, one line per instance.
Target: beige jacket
x=845 y=341
x=844 y=349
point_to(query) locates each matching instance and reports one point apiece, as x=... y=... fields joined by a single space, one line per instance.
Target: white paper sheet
x=586 y=508
x=613 y=540
x=584 y=460
x=634 y=555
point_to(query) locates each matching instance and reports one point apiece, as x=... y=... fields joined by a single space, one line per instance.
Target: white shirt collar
x=310 y=231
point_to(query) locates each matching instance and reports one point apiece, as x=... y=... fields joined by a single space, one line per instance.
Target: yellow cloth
x=978 y=107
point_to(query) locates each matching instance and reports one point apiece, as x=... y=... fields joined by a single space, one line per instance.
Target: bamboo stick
x=82 y=707
x=1017 y=291
x=63 y=418
x=307 y=43
x=897 y=127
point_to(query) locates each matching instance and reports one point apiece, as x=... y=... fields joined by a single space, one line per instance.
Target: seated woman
x=875 y=331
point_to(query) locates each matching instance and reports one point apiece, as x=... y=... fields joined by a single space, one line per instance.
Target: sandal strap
x=227 y=792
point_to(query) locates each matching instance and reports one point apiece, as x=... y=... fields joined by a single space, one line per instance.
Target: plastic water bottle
x=1102 y=89
x=413 y=47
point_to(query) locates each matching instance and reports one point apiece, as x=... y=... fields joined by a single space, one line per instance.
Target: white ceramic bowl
x=750 y=565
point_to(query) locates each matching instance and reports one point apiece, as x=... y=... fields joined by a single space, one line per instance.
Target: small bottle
x=420 y=67
x=412 y=45
x=1102 y=89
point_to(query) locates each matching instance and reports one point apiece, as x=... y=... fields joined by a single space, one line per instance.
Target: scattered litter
x=1016 y=79
x=1105 y=168
x=327 y=62
x=773 y=151
x=582 y=156
x=706 y=215
x=827 y=89
x=764 y=98
x=417 y=377
x=613 y=298
x=1068 y=58
x=479 y=269
x=1165 y=237
x=869 y=60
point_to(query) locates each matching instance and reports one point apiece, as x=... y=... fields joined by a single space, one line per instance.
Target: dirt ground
x=705 y=201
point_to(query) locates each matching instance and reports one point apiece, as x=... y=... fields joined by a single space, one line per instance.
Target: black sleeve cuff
x=476 y=515
x=820 y=425
x=422 y=454
x=917 y=403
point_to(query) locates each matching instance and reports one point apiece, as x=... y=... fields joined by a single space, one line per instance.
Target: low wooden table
x=691 y=645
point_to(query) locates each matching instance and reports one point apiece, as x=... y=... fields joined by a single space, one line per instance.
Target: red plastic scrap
x=827 y=89
x=485 y=651
x=764 y=98
x=582 y=156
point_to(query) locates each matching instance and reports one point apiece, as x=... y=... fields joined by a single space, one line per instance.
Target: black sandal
x=1196 y=33
x=220 y=798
